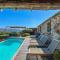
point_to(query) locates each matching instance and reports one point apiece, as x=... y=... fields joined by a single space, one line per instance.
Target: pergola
x=30 y=4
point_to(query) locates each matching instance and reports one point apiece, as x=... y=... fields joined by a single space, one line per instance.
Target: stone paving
x=21 y=55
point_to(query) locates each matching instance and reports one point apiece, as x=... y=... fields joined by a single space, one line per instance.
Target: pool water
x=9 y=47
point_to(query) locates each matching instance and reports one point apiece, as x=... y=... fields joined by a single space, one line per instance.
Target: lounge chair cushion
x=53 y=45
x=33 y=41
x=43 y=39
x=37 y=51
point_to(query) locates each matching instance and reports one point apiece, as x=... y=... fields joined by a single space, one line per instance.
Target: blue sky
x=28 y=18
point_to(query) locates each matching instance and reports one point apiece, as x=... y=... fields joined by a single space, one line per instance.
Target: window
x=49 y=27
x=40 y=28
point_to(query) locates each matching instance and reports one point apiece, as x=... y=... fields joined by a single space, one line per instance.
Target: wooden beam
x=32 y=6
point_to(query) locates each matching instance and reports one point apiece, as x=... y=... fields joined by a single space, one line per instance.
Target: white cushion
x=43 y=39
x=53 y=45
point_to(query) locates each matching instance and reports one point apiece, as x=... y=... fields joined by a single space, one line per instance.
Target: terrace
x=31 y=49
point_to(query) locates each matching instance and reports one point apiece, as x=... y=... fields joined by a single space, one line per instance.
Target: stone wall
x=54 y=22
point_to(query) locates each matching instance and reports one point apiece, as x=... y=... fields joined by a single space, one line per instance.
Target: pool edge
x=17 y=50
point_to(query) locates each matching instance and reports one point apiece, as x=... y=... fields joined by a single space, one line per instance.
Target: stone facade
x=51 y=26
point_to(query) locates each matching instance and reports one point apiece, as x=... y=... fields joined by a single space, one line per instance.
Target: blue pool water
x=9 y=47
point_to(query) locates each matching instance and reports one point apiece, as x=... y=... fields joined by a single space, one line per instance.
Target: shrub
x=14 y=34
x=3 y=37
x=25 y=34
x=56 y=55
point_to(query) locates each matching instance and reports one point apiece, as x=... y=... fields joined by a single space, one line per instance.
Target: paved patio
x=21 y=55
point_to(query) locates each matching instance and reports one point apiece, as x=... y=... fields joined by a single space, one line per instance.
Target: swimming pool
x=9 y=47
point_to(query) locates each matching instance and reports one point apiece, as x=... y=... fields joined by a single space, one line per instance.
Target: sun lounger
x=33 y=41
x=33 y=57
x=42 y=39
x=44 y=51
x=40 y=42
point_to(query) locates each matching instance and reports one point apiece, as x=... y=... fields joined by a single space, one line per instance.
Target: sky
x=28 y=18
